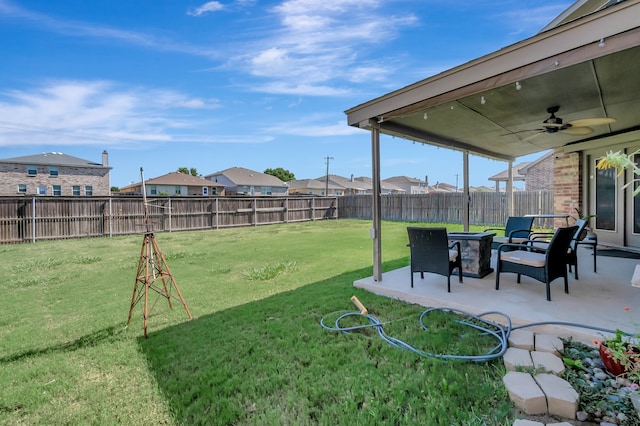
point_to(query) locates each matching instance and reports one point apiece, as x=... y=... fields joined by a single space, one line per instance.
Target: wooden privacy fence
x=24 y=219
x=485 y=208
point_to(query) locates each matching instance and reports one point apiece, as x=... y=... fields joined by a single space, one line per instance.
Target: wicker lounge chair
x=542 y=240
x=544 y=265
x=516 y=230
x=432 y=252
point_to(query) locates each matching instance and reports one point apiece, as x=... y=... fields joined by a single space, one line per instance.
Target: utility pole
x=326 y=181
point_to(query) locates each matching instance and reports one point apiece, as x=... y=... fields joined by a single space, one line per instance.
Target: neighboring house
x=313 y=187
x=481 y=188
x=443 y=187
x=54 y=174
x=176 y=184
x=349 y=186
x=537 y=175
x=241 y=181
x=385 y=187
x=409 y=185
x=503 y=176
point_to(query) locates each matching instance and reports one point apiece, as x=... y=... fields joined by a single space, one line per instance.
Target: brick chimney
x=105 y=158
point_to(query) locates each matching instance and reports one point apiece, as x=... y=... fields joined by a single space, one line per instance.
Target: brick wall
x=540 y=176
x=14 y=174
x=567 y=181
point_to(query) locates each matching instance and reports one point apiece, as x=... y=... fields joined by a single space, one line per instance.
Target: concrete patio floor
x=595 y=299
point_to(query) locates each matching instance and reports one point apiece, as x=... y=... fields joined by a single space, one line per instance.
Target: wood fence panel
x=485 y=208
x=25 y=219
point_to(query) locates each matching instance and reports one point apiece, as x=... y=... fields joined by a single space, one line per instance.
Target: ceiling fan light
x=552 y=122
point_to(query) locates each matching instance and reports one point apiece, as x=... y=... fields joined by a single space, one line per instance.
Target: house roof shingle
x=53 y=159
x=242 y=176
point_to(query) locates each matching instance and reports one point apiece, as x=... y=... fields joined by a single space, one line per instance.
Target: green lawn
x=254 y=353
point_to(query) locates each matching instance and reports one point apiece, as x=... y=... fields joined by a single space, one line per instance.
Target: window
x=88 y=190
x=153 y=190
x=32 y=170
x=53 y=170
x=177 y=191
x=606 y=191
x=57 y=190
x=42 y=190
x=266 y=190
x=22 y=188
x=75 y=190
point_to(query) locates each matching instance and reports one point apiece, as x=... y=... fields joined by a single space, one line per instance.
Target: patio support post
x=510 y=189
x=465 y=190
x=376 y=214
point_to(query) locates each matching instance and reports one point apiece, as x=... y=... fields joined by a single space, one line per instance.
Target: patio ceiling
x=589 y=67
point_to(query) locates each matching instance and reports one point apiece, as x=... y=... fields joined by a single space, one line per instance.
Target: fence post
x=110 y=218
x=169 y=214
x=255 y=212
x=33 y=219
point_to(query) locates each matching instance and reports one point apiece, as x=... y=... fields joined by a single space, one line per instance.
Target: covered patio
x=596 y=299
x=571 y=89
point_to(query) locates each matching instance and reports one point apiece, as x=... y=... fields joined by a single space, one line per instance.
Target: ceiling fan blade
x=594 y=121
x=577 y=130
x=533 y=136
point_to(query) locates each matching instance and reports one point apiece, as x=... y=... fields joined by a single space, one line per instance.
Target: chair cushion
x=453 y=255
x=524 y=258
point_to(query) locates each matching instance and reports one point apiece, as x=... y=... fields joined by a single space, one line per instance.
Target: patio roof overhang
x=494 y=106
x=589 y=67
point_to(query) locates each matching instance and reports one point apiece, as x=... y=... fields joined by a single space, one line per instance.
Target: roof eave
x=510 y=64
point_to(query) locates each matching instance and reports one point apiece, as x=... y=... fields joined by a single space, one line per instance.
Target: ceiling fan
x=555 y=124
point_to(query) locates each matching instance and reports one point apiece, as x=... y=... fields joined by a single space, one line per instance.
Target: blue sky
x=162 y=84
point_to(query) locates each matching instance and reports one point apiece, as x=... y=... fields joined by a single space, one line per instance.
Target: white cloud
x=288 y=88
x=86 y=112
x=211 y=6
x=314 y=126
x=531 y=19
x=74 y=28
x=319 y=43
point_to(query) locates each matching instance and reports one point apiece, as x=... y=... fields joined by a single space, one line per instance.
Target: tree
x=188 y=171
x=282 y=174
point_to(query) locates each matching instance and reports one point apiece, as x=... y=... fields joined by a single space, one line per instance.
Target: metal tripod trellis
x=153 y=273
